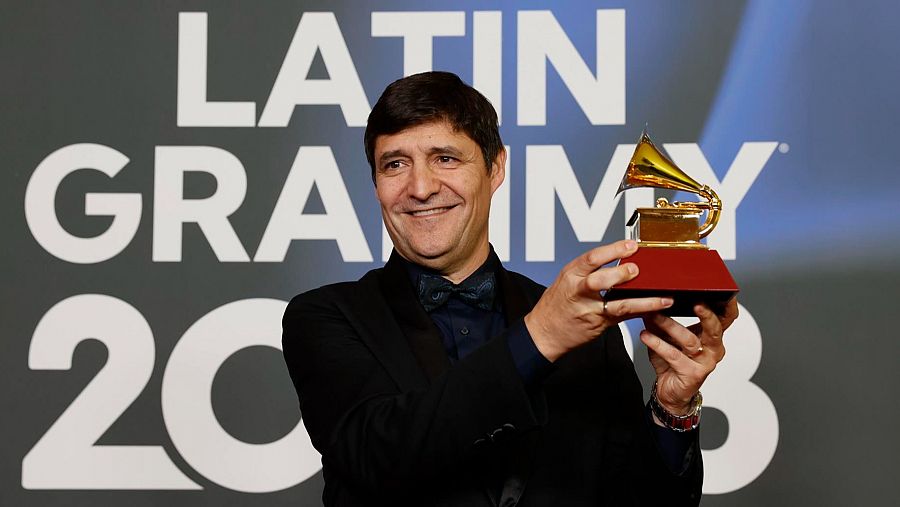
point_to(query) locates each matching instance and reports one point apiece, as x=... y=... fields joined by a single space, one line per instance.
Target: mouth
x=430 y=211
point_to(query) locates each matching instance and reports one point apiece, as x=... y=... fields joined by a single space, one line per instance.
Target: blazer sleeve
x=372 y=433
x=649 y=477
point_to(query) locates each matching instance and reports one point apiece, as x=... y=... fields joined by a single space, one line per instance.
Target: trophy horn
x=650 y=167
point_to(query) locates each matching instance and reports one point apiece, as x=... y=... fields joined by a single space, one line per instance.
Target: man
x=444 y=379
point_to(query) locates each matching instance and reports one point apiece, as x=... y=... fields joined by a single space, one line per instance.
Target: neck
x=457 y=274
x=458 y=271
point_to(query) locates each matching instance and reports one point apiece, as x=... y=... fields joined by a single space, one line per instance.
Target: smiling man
x=435 y=189
x=444 y=379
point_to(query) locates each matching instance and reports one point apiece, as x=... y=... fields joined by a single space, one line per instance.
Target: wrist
x=681 y=421
x=543 y=340
x=679 y=409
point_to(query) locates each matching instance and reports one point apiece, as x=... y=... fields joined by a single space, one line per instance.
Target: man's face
x=435 y=194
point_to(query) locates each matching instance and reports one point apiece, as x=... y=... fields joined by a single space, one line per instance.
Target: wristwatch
x=679 y=423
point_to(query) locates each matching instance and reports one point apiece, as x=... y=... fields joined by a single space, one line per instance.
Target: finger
x=591 y=260
x=624 y=309
x=682 y=364
x=710 y=331
x=727 y=317
x=710 y=325
x=731 y=313
x=681 y=336
x=604 y=278
x=649 y=325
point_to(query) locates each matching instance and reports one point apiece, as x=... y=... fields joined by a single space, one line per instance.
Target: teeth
x=427 y=212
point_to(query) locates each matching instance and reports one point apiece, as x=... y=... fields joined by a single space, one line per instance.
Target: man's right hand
x=572 y=312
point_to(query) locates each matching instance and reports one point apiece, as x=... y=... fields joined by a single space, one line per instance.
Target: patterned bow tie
x=477 y=291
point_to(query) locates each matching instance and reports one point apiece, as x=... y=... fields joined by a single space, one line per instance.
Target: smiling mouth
x=431 y=211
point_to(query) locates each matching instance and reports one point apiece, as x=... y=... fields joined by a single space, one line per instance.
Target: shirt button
x=464 y=331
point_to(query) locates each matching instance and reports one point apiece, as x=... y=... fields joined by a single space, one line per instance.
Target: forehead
x=425 y=136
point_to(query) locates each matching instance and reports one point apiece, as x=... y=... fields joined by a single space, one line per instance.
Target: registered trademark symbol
x=784 y=147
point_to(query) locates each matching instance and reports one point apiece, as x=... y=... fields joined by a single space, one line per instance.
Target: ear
x=498 y=170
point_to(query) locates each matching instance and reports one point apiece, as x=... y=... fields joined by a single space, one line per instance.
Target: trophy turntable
x=672 y=260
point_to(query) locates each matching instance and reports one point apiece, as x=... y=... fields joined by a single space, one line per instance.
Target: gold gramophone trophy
x=672 y=260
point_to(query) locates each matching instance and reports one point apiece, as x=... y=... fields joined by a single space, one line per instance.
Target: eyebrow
x=445 y=150
x=391 y=154
x=434 y=150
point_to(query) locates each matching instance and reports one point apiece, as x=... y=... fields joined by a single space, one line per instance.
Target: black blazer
x=396 y=425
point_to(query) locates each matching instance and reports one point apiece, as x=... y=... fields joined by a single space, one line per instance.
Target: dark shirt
x=464 y=328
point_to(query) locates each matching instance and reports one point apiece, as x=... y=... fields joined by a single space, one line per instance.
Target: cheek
x=386 y=193
x=479 y=192
x=469 y=187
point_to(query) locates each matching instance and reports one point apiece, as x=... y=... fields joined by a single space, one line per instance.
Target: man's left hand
x=684 y=356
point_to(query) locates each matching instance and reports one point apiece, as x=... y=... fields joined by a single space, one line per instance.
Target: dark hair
x=429 y=97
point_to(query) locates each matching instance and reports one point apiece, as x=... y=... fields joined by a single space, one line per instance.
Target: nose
x=423 y=183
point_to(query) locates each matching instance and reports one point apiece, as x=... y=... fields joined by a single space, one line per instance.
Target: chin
x=429 y=243
x=431 y=250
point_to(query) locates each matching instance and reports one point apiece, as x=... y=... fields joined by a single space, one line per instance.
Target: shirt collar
x=413 y=270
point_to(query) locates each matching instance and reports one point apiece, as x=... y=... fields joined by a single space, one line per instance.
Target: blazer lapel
x=517 y=302
x=371 y=314
x=422 y=335
x=424 y=340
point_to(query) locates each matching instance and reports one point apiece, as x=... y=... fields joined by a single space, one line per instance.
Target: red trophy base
x=688 y=275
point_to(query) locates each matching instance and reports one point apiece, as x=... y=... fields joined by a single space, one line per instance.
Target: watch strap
x=679 y=423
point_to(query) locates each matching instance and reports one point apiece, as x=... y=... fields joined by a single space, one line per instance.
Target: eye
x=393 y=164
x=446 y=159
